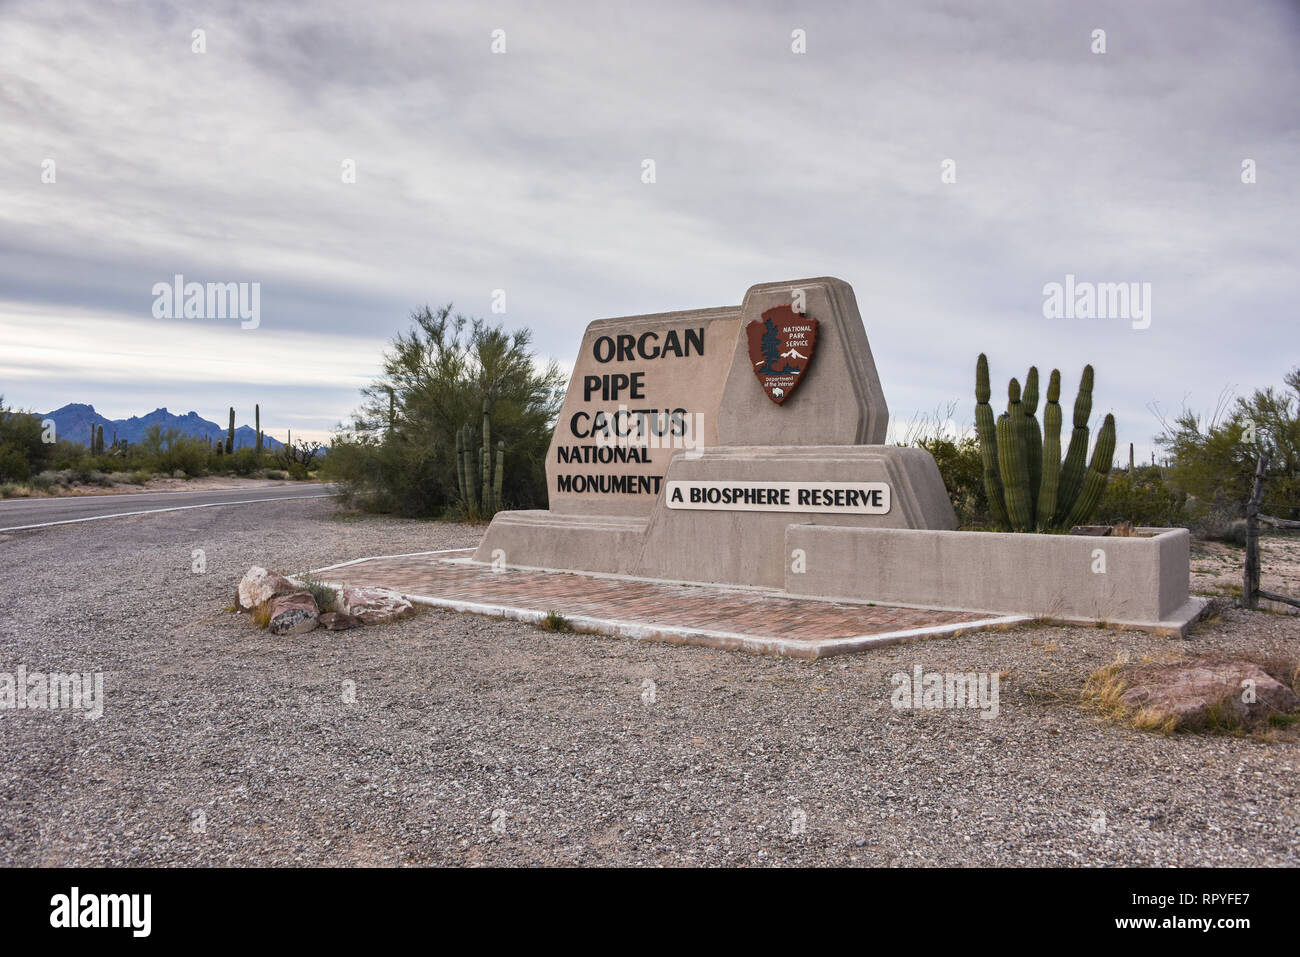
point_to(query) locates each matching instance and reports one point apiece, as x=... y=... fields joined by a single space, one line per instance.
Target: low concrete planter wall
x=1141 y=580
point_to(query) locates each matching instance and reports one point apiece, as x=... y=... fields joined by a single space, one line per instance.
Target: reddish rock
x=376 y=605
x=1187 y=691
x=259 y=586
x=293 y=614
x=339 y=621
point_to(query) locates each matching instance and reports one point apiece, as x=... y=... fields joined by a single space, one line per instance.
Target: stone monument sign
x=689 y=441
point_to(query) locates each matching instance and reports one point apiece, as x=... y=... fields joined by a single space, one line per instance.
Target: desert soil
x=473 y=740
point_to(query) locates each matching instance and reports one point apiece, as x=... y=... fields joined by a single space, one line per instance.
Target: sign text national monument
x=744 y=445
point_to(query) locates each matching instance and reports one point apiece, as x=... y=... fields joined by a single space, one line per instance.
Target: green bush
x=1214 y=460
x=399 y=453
x=245 y=461
x=14 y=466
x=1143 y=498
x=963 y=476
x=21 y=450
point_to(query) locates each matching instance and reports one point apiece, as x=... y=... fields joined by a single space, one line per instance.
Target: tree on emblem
x=771 y=347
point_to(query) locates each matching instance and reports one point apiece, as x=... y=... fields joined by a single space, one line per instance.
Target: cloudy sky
x=522 y=171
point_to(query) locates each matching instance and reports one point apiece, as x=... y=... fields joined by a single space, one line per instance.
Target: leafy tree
x=22 y=451
x=399 y=452
x=1214 y=461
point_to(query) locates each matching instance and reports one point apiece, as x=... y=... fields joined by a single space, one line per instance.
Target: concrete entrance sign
x=743 y=445
x=756 y=415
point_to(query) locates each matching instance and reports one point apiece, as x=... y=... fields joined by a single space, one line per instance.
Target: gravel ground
x=479 y=741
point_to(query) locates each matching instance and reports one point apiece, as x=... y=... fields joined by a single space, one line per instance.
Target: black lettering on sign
x=627 y=348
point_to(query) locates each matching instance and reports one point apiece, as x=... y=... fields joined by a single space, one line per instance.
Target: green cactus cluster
x=1029 y=488
x=479 y=471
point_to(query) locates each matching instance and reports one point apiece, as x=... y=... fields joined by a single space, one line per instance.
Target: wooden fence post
x=1250 y=578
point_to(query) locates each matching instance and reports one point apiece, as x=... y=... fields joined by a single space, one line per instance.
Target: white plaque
x=856 y=498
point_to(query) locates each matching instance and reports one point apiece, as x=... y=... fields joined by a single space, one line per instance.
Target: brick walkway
x=714 y=616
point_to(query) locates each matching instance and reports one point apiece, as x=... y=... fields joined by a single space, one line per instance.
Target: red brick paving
x=658 y=605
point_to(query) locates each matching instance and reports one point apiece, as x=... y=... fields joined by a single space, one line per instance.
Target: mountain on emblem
x=781 y=349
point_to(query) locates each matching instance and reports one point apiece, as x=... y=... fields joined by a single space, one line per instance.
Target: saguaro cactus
x=498 y=474
x=480 y=471
x=1028 y=486
x=257 y=424
x=230 y=432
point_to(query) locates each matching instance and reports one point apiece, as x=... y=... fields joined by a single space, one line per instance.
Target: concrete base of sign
x=1139 y=581
x=536 y=538
x=733 y=547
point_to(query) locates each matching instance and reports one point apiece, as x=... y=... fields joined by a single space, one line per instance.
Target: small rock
x=1189 y=692
x=259 y=586
x=376 y=605
x=293 y=614
x=339 y=621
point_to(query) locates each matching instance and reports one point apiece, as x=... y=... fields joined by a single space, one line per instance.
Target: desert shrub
x=42 y=482
x=21 y=450
x=388 y=477
x=1221 y=523
x=1213 y=458
x=244 y=461
x=399 y=453
x=1144 y=498
x=14 y=466
x=276 y=475
x=138 y=477
x=963 y=476
x=326 y=598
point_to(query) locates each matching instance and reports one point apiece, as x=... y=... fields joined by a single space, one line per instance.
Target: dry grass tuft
x=554 y=621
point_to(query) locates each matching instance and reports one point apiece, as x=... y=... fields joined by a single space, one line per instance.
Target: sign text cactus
x=1028 y=486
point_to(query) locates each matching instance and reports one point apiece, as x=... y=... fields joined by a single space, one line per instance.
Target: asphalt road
x=33 y=513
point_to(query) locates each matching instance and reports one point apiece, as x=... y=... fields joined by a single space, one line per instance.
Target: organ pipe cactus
x=1033 y=438
x=1094 y=482
x=1077 y=454
x=1050 y=484
x=986 y=431
x=1013 y=462
x=1027 y=484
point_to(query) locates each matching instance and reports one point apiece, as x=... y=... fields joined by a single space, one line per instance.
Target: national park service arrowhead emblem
x=780 y=350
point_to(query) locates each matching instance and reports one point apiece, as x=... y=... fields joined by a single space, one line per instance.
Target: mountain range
x=74 y=422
